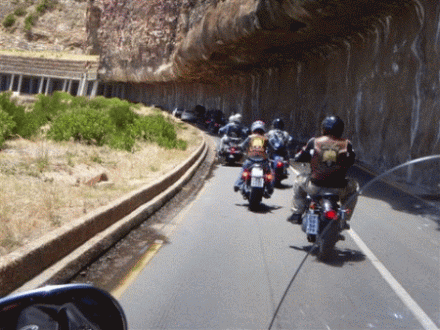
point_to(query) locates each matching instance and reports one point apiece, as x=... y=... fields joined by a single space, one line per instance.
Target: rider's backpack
x=327 y=157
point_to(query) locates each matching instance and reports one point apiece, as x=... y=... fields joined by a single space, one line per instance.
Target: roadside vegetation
x=31 y=10
x=98 y=121
x=55 y=146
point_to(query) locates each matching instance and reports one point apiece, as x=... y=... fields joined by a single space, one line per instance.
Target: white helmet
x=258 y=126
x=237 y=118
x=231 y=118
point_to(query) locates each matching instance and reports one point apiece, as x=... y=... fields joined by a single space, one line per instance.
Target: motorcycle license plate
x=312 y=224
x=257 y=179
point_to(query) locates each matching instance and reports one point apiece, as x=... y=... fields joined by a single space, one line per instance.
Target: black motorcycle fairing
x=70 y=307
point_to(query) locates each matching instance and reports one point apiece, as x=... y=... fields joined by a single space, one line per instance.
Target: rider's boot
x=238 y=184
x=268 y=191
x=295 y=218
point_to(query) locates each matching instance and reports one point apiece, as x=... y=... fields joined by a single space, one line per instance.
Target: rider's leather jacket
x=329 y=158
x=256 y=146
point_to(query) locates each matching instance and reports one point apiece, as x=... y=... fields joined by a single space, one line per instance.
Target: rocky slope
x=61 y=27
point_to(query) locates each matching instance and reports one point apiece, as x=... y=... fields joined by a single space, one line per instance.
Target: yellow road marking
x=140 y=265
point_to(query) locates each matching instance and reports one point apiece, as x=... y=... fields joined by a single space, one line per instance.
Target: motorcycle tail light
x=268 y=177
x=246 y=175
x=331 y=214
x=280 y=164
x=232 y=149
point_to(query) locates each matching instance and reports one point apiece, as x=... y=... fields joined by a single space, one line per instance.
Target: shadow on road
x=283 y=186
x=222 y=163
x=262 y=209
x=338 y=258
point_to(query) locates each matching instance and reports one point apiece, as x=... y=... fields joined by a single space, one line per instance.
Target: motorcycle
x=407 y=195
x=278 y=162
x=231 y=153
x=213 y=126
x=67 y=306
x=323 y=222
x=279 y=167
x=214 y=121
x=256 y=184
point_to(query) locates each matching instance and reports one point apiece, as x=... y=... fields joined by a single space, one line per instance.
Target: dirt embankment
x=45 y=184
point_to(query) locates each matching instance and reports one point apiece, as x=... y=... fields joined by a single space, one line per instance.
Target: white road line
x=417 y=311
x=412 y=305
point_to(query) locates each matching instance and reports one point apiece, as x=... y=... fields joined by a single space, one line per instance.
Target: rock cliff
x=206 y=40
x=374 y=63
x=61 y=28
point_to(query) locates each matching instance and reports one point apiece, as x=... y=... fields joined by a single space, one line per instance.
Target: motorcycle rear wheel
x=327 y=242
x=255 y=197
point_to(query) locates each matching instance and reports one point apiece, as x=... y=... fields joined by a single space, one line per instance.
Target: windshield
x=395 y=227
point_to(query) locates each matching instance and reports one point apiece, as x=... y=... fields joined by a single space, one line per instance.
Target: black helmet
x=332 y=125
x=278 y=123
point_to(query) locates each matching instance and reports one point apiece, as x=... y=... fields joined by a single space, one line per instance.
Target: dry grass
x=43 y=183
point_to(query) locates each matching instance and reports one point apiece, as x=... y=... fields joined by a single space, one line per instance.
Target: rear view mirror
x=70 y=307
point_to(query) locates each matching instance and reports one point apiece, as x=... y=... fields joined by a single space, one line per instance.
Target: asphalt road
x=217 y=265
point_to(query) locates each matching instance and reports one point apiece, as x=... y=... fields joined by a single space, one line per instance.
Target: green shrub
x=20 y=11
x=25 y=124
x=47 y=107
x=122 y=140
x=45 y=5
x=101 y=102
x=156 y=128
x=29 y=21
x=9 y=20
x=7 y=125
x=97 y=121
x=83 y=125
x=122 y=116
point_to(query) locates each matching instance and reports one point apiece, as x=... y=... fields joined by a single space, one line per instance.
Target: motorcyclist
x=233 y=129
x=256 y=145
x=330 y=157
x=277 y=133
